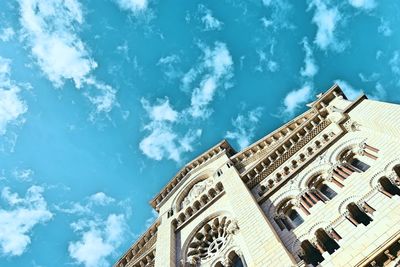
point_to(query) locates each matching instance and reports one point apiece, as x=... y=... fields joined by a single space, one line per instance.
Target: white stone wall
x=259 y=238
x=377 y=128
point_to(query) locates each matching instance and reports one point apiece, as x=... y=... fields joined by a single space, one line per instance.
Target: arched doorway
x=327 y=242
x=311 y=255
x=358 y=215
x=388 y=186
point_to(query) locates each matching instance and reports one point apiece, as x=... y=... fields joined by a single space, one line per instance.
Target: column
x=165 y=245
x=253 y=224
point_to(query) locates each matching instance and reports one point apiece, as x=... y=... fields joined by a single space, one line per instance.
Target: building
x=323 y=189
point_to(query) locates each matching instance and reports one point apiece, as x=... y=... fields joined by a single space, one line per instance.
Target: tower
x=323 y=189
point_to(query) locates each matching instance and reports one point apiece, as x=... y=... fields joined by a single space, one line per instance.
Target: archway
x=358 y=215
x=311 y=255
x=327 y=242
x=388 y=186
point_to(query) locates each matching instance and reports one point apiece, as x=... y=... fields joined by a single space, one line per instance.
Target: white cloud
x=162 y=111
x=394 y=64
x=264 y=61
x=279 y=15
x=216 y=70
x=266 y=22
x=101 y=199
x=384 y=28
x=98 y=240
x=104 y=98
x=23 y=174
x=97 y=199
x=168 y=66
x=380 y=92
x=310 y=67
x=326 y=20
x=50 y=28
x=363 y=4
x=164 y=138
x=245 y=126
x=210 y=23
x=151 y=220
x=6 y=34
x=134 y=6
x=295 y=98
x=162 y=141
x=351 y=93
x=12 y=107
x=18 y=221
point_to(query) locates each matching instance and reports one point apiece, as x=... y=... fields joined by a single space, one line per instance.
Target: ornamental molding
x=285 y=196
x=349 y=144
x=310 y=174
x=211 y=240
x=342 y=206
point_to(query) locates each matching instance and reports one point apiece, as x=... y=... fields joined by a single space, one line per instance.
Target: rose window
x=210 y=239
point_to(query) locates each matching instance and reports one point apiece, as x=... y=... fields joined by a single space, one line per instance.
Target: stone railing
x=266 y=144
x=147 y=260
x=255 y=176
x=141 y=247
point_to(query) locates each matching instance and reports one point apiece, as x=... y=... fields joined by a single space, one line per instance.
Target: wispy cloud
x=394 y=64
x=379 y=93
x=98 y=239
x=162 y=141
x=99 y=234
x=12 y=107
x=51 y=30
x=6 y=34
x=24 y=175
x=384 y=28
x=265 y=62
x=310 y=67
x=244 y=127
x=134 y=6
x=171 y=133
x=168 y=66
x=279 y=17
x=20 y=217
x=215 y=70
x=327 y=19
x=209 y=21
x=85 y=207
x=350 y=92
x=363 y=4
x=294 y=99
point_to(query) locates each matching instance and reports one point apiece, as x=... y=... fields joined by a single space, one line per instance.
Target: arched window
x=311 y=255
x=320 y=189
x=326 y=242
x=294 y=217
x=388 y=187
x=357 y=215
x=210 y=240
x=358 y=164
x=326 y=191
x=287 y=215
x=350 y=159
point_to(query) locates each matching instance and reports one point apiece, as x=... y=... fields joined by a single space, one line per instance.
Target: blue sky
x=102 y=101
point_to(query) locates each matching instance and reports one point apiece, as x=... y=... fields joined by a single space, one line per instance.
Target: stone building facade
x=323 y=189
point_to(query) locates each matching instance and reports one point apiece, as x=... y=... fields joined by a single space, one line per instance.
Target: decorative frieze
x=272 y=166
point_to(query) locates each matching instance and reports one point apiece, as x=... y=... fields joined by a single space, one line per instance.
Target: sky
x=103 y=101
